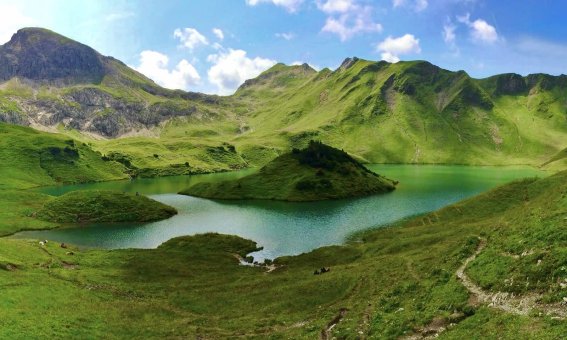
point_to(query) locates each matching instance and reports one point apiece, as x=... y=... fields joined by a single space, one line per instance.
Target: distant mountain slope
x=408 y=112
x=412 y=112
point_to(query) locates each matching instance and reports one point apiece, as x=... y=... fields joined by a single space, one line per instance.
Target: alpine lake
x=281 y=228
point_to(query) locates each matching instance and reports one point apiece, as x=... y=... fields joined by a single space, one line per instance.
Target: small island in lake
x=96 y=206
x=318 y=172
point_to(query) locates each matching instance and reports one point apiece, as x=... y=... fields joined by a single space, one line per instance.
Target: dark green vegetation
x=389 y=282
x=103 y=206
x=318 y=172
x=33 y=158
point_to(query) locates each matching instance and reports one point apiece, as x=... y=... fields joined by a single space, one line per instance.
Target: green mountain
x=318 y=172
x=558 y=161
x=50 y=80
x=408 y=112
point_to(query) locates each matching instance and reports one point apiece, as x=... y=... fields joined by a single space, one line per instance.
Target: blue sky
x=214 y=45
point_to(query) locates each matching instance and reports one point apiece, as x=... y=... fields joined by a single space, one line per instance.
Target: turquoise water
x=283 y=228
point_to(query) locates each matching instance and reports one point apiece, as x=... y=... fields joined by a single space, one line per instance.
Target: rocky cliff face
x=93 y=110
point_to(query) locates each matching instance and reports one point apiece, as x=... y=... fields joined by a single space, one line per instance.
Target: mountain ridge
x=407 y=112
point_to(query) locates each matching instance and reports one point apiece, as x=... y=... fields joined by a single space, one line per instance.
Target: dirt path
x=507 y=302
x=326 y=332
x=520 y=305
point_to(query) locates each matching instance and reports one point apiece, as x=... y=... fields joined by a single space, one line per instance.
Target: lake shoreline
x=283 y=228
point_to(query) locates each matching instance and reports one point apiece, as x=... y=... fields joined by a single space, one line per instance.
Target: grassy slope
x=17 y=208
x=88 y=206
x=409 y=112
x=316 y=173
x=557 y=162
x=355 y=109
x=39 y=158
x=389 y=280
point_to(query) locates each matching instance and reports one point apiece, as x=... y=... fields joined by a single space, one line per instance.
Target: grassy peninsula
x=317 y=172
x=90 y=206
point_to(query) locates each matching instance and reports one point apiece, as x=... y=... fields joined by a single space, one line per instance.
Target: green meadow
x=384 y=283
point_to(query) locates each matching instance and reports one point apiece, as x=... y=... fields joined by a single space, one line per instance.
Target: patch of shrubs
x=230 y=147
x=120 y=158
x=319 y=155
x=225 y=147
x=63 y=153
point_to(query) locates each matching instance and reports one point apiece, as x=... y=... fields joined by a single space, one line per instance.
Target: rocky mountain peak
x=348 y=62
x=44 y=56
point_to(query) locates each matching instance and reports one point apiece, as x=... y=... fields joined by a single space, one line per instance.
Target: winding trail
x=507 y=302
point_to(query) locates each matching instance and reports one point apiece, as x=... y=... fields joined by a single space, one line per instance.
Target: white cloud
x=421 y=5
x=416 y=5
x=154 y=65
x=217 y=46
x=480 y=30
x=230 y=69
x=12 y=19
x=289 y=5
x=464 y=19
x=450 y=37
x=336 y=6
x=392 y=48
x=353 y=21
x=190 y=37
x=286 y=36
x=218 y=33
x=449 y=33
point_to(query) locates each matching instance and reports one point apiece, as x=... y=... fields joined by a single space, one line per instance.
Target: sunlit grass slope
x=557 y=162
x=409 y=112
x=386 y=283
x=33 y=158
